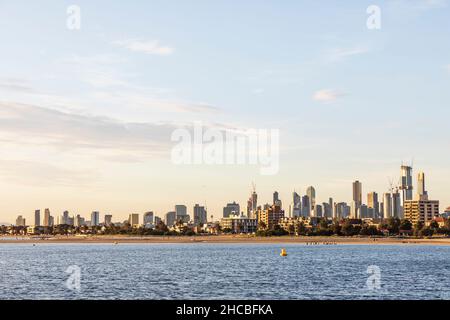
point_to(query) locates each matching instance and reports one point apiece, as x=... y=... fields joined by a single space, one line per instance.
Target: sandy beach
x=223 y=239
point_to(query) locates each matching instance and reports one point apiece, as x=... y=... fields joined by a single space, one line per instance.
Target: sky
x=86 y=115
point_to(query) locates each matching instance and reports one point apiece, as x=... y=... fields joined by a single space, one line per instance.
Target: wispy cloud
x=32 y=173
x=18 y=85
x=27 y=124
x=147 y=47
x=327 y=95
x=338 y=54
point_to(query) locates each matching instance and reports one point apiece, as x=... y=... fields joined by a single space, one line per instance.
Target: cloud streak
x=143 y=46
x=327 y=95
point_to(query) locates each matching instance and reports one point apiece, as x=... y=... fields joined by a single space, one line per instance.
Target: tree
x=405 y=224
x=393 y=225
x=434 y=225
x=347 y=229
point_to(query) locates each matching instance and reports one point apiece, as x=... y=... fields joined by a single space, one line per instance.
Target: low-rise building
x=239 y=224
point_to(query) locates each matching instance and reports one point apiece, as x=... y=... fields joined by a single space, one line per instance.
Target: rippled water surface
x=223 y=271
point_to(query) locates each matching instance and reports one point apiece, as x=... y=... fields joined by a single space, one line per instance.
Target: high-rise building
x=306 y=206
x=181 y=213
x=357 y=192
x=231 y=209
x=170 y=218
x=318 y=211
x=20 y=221
x=387 y=205
x=268 y=218
x=311 y=193
x=37 y=218
x=397 y=208
x=133 y=219
x=108 y=220
x=372 y=203
x=157 y=220
x=95 y=218
x=47 y=218
x=51 y=221
x=406 y=187
x=275 y=197
x=421 y=210
x=421 y=191
x=148 y=217
x=200 y=215
x=65 y=217
x=297 y=204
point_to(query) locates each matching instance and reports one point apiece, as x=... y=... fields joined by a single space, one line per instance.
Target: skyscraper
x=356 y=199
x=357 y=192
x=133 y=219
x=200 y=215
x=95 y=218
x=65 y=218
x=387 y=205
x=372 y=203
x=231 y=208
x=47 y=218
x=311 y=193
x=406 y=187
x=297 y=204
x=306 y=206
x=37 y=218
x=170 y=218
x=275 y=197
x=421 y=191
x=108 y=220
x=397 y=208
x=148 y=217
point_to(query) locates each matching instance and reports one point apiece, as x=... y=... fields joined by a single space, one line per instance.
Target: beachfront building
x=239 y=224
x=269 y=217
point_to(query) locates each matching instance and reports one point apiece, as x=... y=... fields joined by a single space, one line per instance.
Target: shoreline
x=239 y=239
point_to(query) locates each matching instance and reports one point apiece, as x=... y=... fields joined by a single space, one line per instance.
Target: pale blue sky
x=351 y=103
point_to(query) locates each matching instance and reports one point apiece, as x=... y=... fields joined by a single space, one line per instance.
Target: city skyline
x=386 y=207
x=86 y=117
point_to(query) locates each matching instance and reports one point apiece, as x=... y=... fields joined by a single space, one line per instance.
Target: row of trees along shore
x=347 y=227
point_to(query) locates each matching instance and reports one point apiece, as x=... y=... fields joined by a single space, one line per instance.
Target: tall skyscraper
x=181 y=213
x=306 y=206
x=170 y=218
x=357 y=192
x=406 y=187
x=37 y=218
x=356 y=199
x=20 y=221
x=397 y=208
x=372 y=203
x=200 y=215
x=387 y=204
x=275 y=197
x=421 y=191
x=95 y=218
x=108 y=220
x=133 y=219
x=47 y=218
x=231 y=209
x=65 y=218
x=311 y=193
x=148 y=217
x=297 y=204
